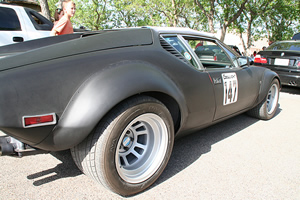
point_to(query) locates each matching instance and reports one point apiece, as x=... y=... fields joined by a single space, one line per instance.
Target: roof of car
x=287 y=41
x=180 y=30
x=3 y=4
x=169 y=30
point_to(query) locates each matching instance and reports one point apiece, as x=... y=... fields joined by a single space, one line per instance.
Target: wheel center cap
x=126 y=141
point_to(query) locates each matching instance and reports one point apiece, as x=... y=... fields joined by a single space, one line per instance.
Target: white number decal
x=230 y=86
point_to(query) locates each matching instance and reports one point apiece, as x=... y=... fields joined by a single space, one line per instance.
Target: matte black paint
x=81 y=80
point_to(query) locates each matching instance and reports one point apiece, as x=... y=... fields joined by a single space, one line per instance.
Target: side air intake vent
x=172 y=50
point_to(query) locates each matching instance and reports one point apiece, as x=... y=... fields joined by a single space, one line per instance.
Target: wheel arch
x=106 y=89
x=171 y=104
x=267 y=79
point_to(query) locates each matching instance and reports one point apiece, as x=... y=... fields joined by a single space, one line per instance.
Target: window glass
x=179 y=46
x=209 y=53
x=9 y=20
x=39 y=21
x=233 y=55
x=294 y=46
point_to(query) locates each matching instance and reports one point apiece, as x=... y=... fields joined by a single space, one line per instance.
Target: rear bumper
x=288 y=76
x=289 y=79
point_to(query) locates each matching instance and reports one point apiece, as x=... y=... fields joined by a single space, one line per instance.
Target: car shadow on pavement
x=190 y=148
x=63 y=170
x=186 y=151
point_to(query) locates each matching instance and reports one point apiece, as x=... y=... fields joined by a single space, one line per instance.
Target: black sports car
x=284 y=58
x=118 y=98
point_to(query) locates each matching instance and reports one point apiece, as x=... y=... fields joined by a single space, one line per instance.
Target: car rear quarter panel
x=86 y=82
x=268 y=77
x=134 y=72
x=100 y=93
x=82 y=88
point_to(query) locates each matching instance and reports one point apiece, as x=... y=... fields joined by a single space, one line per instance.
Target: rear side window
x=175 y=42
x=39 y=22
x=9 y=20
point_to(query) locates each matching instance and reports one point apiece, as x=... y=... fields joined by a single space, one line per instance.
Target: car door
x=235 y=87
x=235 y=90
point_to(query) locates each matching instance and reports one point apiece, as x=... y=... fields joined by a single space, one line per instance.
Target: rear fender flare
x=101 y=92
x=266 y=81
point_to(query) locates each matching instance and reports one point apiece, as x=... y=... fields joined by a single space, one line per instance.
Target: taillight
x=39 y=120
x=298 y=65
x=259 y=59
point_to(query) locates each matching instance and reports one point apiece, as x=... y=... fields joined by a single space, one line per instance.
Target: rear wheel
x=267 y=108
x=130 y=148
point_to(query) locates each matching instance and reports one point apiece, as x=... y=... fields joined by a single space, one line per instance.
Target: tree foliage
x=252 y=19
x=281 y=19
x=45 y=8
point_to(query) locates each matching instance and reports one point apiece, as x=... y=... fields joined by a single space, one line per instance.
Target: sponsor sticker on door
x=230 y=86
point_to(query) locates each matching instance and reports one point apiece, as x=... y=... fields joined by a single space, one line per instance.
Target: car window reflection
x=210 y=53
x=179 y=46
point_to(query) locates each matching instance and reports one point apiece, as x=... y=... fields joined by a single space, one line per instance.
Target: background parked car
x=296 y=36
x=284 y=58
x=18 y=24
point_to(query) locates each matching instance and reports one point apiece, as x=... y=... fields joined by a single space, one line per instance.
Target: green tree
x=174 y=13
x=171 y=11
x=45 y=8
x=129 y=13
x=93 y=14
x=225 y=12
x=249 y=21
x=208 y=8
x=281 y=20
x=275 y=20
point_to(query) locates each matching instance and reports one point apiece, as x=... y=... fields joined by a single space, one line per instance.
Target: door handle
x=18 y=39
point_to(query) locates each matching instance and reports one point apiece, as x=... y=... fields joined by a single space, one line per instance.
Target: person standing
x=59 y=13
x=64 y=25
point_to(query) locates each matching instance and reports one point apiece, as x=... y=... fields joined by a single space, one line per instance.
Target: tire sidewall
x=264 y=108
x=116 y=128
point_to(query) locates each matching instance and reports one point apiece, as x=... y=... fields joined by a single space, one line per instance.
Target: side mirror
x=250 y=60
x=243 y=61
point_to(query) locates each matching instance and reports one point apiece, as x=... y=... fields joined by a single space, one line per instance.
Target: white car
x=18 y=24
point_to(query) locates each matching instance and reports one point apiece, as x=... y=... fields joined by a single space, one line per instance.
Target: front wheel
x=267 y=108
x=130 y=148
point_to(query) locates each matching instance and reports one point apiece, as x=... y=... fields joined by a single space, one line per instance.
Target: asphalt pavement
x=240 y=158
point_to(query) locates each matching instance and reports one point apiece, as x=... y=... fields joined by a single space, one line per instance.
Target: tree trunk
x=223 y=32
x=45 y=9
x=211 y=24
x=209 y=15
x=243 y=42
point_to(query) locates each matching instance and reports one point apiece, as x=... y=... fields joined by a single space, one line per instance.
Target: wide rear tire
x=130 y=147
x=267 y=108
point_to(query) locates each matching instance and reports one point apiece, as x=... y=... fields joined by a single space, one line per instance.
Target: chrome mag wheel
x=272 y=98
x=141 y=148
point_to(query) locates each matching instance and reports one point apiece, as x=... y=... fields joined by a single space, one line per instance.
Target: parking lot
x=240 y=158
